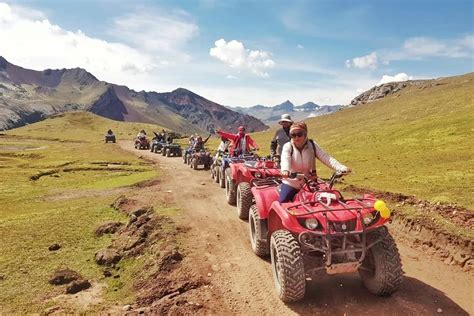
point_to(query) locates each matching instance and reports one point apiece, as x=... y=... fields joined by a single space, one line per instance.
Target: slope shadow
x=345 y=294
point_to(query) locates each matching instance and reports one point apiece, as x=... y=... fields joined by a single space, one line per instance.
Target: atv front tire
x=381 y=271
x=287 y=266
x=244 y=200
x=259 y=246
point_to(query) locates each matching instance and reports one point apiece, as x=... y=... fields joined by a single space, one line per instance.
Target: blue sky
x=242 y=53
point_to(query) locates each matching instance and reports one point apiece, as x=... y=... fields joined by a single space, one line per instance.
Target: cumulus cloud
x=418 y=47
x=55 y=47
x=156 y=32
x=398 y=77
x=235 y=55
x=367 y=61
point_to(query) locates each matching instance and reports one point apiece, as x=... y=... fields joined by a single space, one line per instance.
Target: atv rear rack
x=265 y=182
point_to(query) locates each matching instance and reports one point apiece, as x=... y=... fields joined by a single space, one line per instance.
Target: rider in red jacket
x=241 y=142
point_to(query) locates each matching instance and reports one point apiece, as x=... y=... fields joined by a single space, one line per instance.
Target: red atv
x=320 y=230
x=240 y=179
x=141 y=142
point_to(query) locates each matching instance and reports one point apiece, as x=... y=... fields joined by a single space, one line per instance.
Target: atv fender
x=234 y=169
x=279 y=218
x=264 y=198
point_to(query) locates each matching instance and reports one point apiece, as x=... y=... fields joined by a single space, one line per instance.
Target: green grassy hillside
x=57 y=181
x=417 y=142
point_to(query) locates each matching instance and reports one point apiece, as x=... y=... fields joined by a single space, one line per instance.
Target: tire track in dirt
x=219 y=247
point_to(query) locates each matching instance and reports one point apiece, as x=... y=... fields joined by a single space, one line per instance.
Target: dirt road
x=219 y=246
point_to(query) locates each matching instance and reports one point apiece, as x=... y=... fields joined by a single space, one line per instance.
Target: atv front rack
x=342 y=207
x=339 y=243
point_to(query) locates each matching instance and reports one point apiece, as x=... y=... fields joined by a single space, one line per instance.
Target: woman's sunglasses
x=298 y=134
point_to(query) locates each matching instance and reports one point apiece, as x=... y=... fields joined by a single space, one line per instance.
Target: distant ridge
x=27 y=96
x=271 y=114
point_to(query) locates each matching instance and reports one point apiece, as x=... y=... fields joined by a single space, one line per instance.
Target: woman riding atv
x=298 y=155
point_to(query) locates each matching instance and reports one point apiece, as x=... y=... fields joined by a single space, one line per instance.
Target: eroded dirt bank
x=217 y=249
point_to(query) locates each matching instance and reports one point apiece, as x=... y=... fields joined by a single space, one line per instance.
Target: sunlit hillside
x=418 y=141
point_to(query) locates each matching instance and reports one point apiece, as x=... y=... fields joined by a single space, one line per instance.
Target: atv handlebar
x=312 y=183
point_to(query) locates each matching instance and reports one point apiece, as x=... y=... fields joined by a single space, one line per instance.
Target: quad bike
x=157 y=143
x=110 y=138
x=201 y=157
x=320 y=230
x=171 y=149
x=141 y=142
x=216 y=165
x=227 y=161
x=240 y=179
x=187 y=155
x=156 y=146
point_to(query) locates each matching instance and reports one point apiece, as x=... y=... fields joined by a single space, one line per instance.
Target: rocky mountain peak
x=285 y=106
x=3 y=63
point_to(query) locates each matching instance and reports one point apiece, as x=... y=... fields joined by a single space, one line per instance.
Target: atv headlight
x=368 y=218
x=311 y=223
x=258 y=174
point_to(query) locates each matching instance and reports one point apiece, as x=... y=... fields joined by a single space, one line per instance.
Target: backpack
x=312 y=143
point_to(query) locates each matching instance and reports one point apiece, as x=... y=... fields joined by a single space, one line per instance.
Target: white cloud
x=367 y=61
x=235 y=55
x=230 y=77
x=31 y=41
x=300 y=46
x=160 y=33
x=398 y=77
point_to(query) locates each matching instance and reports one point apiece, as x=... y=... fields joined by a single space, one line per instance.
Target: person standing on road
x=282 y=136
x=241 y=142
x=298 y=155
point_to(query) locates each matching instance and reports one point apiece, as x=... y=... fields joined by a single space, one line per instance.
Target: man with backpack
x=298 y=155
x=281 y=137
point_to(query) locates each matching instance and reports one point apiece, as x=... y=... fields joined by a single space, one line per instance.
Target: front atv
x=320 y=230
x=110 y=138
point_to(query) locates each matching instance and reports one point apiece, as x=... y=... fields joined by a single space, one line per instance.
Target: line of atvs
x=319 y=231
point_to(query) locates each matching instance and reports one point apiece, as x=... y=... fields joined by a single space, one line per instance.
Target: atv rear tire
x=244 y=200
x=195 y=164
x=163 y=151
x=230 y=191
x=381 y=270
x=287 y=266
x=168 y=153
x=221 y=178
x=259 y=246
x=216 y=174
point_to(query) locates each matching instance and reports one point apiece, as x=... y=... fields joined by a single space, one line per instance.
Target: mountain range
x=28 y=96
x=271 y=114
